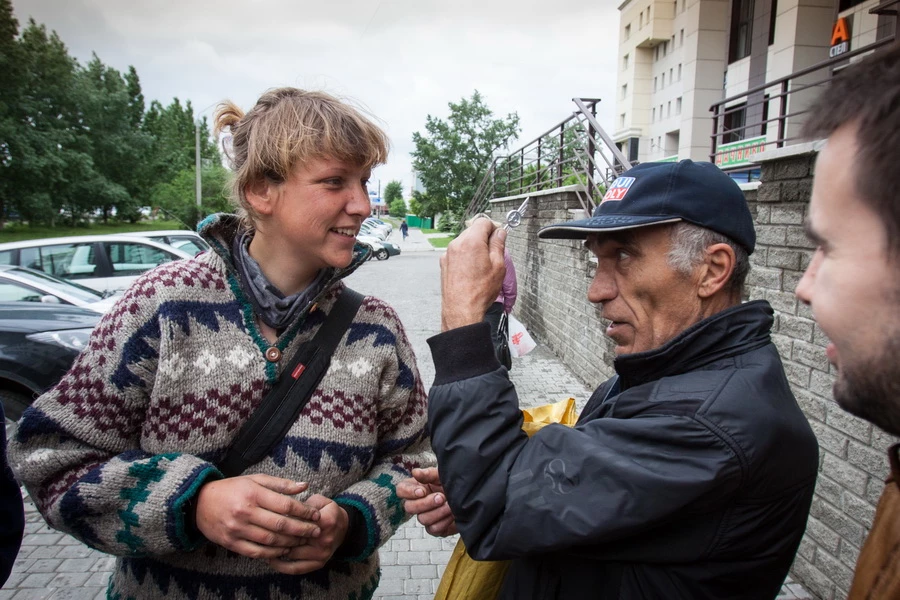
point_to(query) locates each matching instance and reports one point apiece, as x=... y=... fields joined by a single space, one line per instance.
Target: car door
x=128 y=260
x=75 y=261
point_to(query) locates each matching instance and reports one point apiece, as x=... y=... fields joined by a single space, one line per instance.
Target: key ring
x=514 y=217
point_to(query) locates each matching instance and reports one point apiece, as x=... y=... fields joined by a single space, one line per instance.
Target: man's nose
x=603 y=286
x=804 y=286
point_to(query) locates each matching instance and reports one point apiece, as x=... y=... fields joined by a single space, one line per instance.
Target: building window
x=622 y=121
x=679 y=71
x=665 y=46
x=848 y=4
x=633 y=149
x=625 y=63
x=624 y=91
x=654 y=84
x=669 y=109
x=772 y=16
x=628 y=31
x=741 y=29
x=681 y=38
x=662 y=80
x=641 y=20
x=678 y=105
x=733 y=123
x=653 y=118
x=671 y=73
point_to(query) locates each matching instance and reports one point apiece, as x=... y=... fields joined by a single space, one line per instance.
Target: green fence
x=421 y=222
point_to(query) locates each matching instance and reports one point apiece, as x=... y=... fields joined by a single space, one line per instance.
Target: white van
x=105 y=263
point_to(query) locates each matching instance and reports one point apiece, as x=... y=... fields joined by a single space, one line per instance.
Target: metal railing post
x=782 y=111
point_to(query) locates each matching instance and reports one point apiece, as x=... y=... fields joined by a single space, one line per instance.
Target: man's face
x=648 y=302
x=853 y=288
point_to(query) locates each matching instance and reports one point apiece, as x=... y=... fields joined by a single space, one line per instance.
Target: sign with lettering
x=840 y=38
x=736 y=154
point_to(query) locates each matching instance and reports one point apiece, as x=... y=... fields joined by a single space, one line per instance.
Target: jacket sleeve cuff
x=357 y=537
x=463 y=353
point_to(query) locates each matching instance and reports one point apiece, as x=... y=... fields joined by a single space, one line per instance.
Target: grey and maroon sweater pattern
x=116 y=450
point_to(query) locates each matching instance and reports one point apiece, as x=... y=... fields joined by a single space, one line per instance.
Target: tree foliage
x=77 y=142
x=397 y=208
x=452 y=156
x=392 y=191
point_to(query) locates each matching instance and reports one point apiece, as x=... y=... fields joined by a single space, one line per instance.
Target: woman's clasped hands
x=256 y=516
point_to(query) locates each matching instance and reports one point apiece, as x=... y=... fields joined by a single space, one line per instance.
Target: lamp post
x=197 y=167
x=198 y=182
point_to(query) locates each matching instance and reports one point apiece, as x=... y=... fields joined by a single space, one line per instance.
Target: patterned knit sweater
x=113 y=453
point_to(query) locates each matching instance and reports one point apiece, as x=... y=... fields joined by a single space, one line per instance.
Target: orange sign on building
x=840 y=38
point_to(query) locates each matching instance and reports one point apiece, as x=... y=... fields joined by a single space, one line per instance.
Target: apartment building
x=677 y=58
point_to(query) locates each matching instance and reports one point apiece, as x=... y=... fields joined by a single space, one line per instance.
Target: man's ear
x=716 y=269
x=260 y=195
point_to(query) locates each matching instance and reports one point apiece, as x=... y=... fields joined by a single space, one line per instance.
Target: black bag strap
x=277 y=412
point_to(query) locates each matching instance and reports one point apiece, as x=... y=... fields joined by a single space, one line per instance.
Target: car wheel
x=381 y=254
x=14 y=404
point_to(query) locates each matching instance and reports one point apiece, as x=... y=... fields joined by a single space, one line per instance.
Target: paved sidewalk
x=54 y=565
x=415 y=241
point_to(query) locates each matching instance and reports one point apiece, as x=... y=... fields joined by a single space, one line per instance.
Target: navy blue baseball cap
x=656 y=193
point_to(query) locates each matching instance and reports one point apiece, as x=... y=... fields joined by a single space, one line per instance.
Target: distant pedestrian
x=404 y=229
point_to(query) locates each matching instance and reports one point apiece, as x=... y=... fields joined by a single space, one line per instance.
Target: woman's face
x=313 y=217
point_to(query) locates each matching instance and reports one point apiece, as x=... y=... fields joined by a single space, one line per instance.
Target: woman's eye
x=622 y=255
x=333 y=181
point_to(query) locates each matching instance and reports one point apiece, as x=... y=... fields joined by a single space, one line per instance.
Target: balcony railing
x=770 y=115
x=576 y=151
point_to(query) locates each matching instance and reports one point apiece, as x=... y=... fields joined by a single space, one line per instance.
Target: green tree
x=452 y=156
x=47 y=163
x=392 y=191
x=11 y=78
x=178 y=197
x=415 y=207
x=397 y=208
x=117 y=146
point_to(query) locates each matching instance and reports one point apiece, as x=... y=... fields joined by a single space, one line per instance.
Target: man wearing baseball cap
x=689 y=473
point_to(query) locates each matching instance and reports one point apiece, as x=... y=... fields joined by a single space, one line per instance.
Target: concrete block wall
x=553 y=282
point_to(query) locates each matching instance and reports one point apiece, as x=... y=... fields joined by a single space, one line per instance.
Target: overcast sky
x=399 y=59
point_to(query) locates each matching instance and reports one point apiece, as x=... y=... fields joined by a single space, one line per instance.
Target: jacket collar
x=733 y=331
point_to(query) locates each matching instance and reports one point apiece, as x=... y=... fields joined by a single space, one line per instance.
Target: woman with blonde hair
x=123 y=452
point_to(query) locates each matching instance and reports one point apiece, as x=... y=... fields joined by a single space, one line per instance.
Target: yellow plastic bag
x=468 y=579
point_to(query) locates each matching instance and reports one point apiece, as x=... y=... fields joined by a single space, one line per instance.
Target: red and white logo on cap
x=618 y=189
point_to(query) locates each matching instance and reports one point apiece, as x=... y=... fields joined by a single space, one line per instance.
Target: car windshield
x=48 y=282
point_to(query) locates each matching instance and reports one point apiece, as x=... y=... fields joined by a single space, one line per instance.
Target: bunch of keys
x=514 y=217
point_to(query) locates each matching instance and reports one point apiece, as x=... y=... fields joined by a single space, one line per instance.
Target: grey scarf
x=273 y=307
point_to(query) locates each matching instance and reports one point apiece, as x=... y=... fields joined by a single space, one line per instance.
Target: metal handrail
x=567 y=151
x=786 y=86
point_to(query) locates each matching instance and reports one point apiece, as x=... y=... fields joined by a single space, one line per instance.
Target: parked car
x=380 y=249
x=21 y=284
x=107 y=263
x=383 y=225
x=38 y=344
x=372 y=230
x=188 y=241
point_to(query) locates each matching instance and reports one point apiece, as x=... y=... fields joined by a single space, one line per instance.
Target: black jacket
x=12 y=518
x=690 y=475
